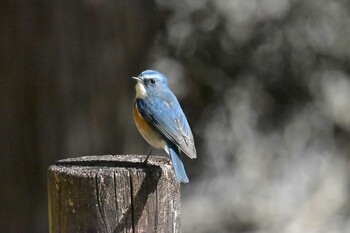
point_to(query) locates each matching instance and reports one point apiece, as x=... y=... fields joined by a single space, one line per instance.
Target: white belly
x=152 y=138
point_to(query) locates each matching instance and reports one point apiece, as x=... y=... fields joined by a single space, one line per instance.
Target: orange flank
x=140 y=122
x=146 y=131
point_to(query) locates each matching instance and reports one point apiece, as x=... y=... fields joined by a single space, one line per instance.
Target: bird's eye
x=152 y=81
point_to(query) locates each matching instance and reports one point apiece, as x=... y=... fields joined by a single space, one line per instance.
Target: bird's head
x=150 y=83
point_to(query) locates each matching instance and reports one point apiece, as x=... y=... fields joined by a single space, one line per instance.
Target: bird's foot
x=145 y=162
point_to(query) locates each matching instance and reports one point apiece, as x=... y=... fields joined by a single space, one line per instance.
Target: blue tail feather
x=180 y=173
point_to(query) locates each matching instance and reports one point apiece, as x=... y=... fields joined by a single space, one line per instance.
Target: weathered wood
x=113 y=194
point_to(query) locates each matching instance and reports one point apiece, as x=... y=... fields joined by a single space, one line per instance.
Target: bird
x=160 y=120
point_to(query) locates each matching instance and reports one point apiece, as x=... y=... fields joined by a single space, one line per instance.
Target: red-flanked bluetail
x=161 y=121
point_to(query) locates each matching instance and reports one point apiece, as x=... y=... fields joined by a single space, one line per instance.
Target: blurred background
x=265 y=85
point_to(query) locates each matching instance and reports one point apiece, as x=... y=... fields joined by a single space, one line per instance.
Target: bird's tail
x=180 y=173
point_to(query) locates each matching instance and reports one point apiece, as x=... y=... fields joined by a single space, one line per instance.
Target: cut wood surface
x=116 y=193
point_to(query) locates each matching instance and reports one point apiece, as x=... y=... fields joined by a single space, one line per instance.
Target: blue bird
x=161 y=121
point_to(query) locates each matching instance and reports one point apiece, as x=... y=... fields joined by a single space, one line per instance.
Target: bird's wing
x=168 y=119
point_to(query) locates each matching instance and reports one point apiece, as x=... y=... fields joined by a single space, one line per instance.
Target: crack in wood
x=132 y=203
x=59 y=208
x=116 y=199
x=99 y=204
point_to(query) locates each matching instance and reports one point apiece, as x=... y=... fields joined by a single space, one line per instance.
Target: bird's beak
x=137 y=79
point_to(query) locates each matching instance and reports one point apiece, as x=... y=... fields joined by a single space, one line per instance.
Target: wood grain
x=113 y=194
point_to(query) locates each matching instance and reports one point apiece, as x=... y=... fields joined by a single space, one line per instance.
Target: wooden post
x=113 y=194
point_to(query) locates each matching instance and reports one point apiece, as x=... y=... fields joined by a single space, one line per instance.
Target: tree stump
x=113 y=194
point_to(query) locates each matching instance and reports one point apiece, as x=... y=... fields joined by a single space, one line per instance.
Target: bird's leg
x=145 y=162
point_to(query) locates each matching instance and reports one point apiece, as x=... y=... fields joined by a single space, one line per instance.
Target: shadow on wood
x=113 y=194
